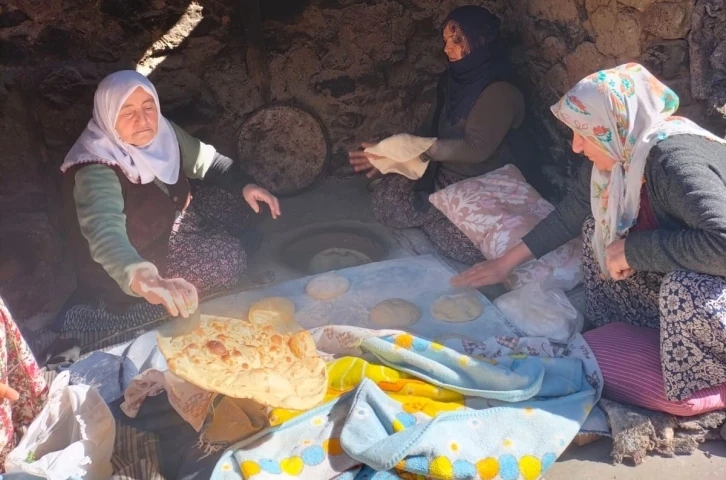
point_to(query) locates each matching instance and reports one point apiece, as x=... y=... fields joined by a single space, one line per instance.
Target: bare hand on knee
x=616 y=262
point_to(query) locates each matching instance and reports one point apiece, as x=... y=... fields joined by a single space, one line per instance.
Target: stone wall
x=683 y=42
x=367 y=68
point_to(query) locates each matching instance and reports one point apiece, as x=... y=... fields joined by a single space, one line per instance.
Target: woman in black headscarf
x=476 y=107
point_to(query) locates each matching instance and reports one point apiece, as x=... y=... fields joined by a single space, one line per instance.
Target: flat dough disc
x=327 y=286
x=462 y=307
x=271 y=311
x=283 y=147
x=395 y=313
x=336 y=259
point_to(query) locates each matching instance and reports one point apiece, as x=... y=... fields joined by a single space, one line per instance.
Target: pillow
x=629 y=358
x=495 y=211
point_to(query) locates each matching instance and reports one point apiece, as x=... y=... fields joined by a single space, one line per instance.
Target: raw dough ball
x=462 y=307
x=327 y=286
x=336 y=259
x=271 y=310
x=394 y=313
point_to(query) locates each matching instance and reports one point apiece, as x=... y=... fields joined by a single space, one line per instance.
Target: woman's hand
x=8 y=393
x=361 y=161
x=483 y=274
x=616 y=262
x=493 y=271
x=254 y=194
x=178 y=296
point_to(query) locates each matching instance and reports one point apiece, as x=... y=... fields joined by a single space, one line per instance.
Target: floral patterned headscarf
x=624 y=111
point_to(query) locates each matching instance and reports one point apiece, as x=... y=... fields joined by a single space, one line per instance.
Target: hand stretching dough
x=327 y=286
x=402 y=155
x=394 y=313
x=462 y=307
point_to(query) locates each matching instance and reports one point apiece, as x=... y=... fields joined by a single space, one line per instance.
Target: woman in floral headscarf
x=653 y=203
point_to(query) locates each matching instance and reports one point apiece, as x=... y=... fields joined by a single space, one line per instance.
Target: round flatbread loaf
x=395 y=313
x=462 y=307
x=244 y=360
x=336 y=259
x=327 y=286
x=271 y=311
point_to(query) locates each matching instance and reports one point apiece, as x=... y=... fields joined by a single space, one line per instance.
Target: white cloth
x=625 y=111
x=402 y=154
x=100 y=142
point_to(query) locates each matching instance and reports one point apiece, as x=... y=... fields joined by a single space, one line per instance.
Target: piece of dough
x=327 y=286
x=395 y=313
x=462 y=307
x=271 y=311
x=402 y=155
x=336 y=259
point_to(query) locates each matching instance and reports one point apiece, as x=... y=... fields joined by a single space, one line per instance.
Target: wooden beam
x=257 y=66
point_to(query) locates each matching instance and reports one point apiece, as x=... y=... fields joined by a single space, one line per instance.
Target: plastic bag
x=541 y=309
x=72 y=437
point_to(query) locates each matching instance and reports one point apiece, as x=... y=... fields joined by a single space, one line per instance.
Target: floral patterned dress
x=689 y=309
x=20 y=371
x=393 y=207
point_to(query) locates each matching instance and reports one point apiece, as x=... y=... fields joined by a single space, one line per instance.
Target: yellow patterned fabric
x=345 y=374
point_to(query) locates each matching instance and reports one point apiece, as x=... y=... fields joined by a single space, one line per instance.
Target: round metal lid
x=284 y=147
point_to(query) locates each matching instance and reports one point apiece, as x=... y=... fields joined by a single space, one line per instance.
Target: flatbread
x=462 y=307
x=277 y=311
x=402 y=155
x=395 y=313
x=244 y=360
x=327 y=286
x=234 y=419
x=337 y=259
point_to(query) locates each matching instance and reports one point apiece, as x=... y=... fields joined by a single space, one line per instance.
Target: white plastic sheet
x=72 y=437
x=541 y=309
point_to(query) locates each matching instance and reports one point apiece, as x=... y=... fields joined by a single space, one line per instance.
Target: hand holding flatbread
x=361 y=161
x=401 y=154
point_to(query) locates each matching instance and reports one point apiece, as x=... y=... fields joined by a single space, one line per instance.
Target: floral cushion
x=495 y=211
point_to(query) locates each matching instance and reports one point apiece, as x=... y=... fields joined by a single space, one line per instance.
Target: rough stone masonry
x=367 y=68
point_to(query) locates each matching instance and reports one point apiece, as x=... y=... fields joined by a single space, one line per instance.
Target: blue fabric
x=509 y=380
x=521 y=412
x=485 y=64
x=110 y=374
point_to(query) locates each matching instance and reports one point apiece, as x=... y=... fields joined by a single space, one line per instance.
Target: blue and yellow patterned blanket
x=505 y=408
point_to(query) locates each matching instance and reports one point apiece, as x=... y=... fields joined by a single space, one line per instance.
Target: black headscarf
x=486 y=63
x=465 y=79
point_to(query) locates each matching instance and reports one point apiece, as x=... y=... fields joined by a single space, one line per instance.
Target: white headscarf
x=100 y=142
x=624 y=111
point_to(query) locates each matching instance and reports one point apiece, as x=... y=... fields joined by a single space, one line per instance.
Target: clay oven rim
x=297 y=252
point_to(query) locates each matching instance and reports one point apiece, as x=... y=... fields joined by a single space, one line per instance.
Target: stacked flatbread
x=402 y=154
x=277 y=367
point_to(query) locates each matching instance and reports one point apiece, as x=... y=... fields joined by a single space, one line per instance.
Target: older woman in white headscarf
x=130 y=226
x=654 y=197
